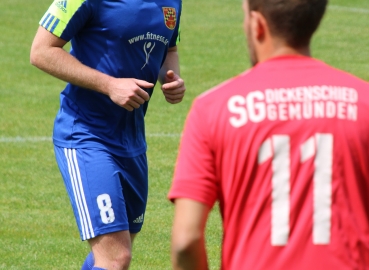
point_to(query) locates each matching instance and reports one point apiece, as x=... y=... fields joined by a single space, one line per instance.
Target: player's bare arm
x=47 y=54
x=173 y=86
x=188 y=241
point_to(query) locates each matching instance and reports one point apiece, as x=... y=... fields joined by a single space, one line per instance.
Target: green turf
x=37 y=228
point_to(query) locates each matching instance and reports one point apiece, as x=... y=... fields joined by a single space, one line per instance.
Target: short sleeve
x=65 y=18
x=194 y=175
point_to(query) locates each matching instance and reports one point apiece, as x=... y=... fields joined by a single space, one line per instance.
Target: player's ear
x=259 y=26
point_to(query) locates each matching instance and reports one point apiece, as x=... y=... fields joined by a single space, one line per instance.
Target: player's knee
x=124 y=259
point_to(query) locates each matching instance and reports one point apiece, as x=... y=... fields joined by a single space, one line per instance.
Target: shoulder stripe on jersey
x=45 y=18
x=79 y=195
x=49 y=21
x=52 y=29
x=61 y=12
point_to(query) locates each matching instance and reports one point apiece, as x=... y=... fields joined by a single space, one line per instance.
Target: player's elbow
x=34 y=57
x=37 y=55
x=188 y=252
x=185 y=243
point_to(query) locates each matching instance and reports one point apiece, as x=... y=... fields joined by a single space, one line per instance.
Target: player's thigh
x=93 y=182
x=135 y=189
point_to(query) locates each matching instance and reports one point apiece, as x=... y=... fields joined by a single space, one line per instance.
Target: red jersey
x=284 y=148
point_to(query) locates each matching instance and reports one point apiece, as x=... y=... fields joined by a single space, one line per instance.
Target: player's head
x=290 y=21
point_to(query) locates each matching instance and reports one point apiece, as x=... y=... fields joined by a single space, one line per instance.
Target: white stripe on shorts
x=79 y=195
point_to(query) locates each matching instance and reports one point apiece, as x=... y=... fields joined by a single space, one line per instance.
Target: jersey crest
x=170 y=17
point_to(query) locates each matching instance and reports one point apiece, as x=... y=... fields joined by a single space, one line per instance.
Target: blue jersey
x=122 y=38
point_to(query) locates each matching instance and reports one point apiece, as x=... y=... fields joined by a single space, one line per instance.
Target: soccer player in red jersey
x=284 y=149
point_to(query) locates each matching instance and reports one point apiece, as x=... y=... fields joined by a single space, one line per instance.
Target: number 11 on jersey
x=319 y=147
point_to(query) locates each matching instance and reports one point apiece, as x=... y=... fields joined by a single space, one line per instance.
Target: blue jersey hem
x=116 y=150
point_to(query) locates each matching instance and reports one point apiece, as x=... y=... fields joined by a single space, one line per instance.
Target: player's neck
x=278 y=48
x=286 y=50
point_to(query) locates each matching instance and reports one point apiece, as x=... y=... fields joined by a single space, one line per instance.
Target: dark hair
x=293 y=20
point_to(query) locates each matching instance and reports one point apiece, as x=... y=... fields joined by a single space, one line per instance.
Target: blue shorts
x=108 y=193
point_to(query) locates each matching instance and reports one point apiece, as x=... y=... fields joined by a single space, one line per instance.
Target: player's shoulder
x=166 y=2
x=346 y=79
x=62 y=13
x=337 y=72
x=65 y=9
x=349 y=77
x=67 y=6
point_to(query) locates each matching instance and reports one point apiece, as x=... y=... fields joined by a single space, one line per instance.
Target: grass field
x=37 y=228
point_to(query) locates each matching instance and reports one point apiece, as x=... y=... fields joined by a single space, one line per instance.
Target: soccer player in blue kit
x=119 y=50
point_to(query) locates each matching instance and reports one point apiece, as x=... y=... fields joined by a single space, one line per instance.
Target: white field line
x=20 y=139
x=349 y=9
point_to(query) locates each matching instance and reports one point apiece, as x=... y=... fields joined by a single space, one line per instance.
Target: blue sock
x=89 y=262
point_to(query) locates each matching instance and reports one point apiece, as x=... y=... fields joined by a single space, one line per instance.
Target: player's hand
x=128 y=93
x=173 y=87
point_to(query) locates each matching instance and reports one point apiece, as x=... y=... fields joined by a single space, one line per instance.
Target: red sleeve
x=194 y=175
